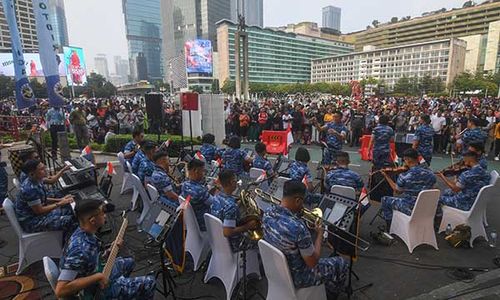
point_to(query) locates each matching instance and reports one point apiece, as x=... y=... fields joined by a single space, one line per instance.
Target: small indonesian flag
x=185 y=204
x=43 y=125
x=86 y=151
x=110 y=170
x=219 y=162
x=421 y=159
x=363 y=194
x=262 y=176
x=200 y=156
x=168 y=143
x=304 y=180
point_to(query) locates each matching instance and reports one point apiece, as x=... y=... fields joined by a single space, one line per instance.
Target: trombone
x=315 y=216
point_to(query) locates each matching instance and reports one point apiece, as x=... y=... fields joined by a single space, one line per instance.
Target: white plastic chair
x=280 y=182
x=33 y=246
x=51 y=272
x=344 y=191
x=140 y=191
x=280 y=283
x=473 y=217
x=224 y=262
x=126 y=183
x=16 y=183
x=418 y=228
x=153 y=192
x=196 y=242
x=496 y=183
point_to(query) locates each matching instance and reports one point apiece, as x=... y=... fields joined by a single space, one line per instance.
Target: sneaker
x=497 y=158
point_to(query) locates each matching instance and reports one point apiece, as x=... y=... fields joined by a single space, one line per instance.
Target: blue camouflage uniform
x=299 y=170
x=483 y=162
x=224 y=207
x=262 y=163
x=425 y=136
x=129 y=147
x=470 y=181
x=474 y=135
x=161 y=181
x=81 y=259
x=333 y=142
x=411 y=182
x=145 y=170
x=4 y=181
x=136 y=161
x=22 y=177
x=33 y=193
x=382 y=135
x=287 y=232
x=200 y=199
x=208 y=151
x=344 y=177
x=233 y=160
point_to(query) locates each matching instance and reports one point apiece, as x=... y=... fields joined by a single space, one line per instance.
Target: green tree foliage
x=7 y=86
x=485 y=83
x=39 y=88
x=414 y=86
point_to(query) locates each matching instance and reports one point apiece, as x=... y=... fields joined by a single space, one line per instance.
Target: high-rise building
x=142 y=67
x=443 y=59
x=479 y=25
x=185 y=20
x=27 y=27
x=121 y=71
x=101 y=65
x=143 y=23
x=287 y=60
x=331 y=17
x=58 y=21
x=252 y=10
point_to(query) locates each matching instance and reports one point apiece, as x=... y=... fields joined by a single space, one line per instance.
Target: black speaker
x=154 y=108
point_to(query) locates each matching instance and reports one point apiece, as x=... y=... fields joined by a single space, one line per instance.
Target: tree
x=97 y=86
x=197 y=89
x=7 y=86
x=375 y=23
x=161 y=86
x=228 y=87
x=425 y=83
x=39 y=89
x=215 y=87
x=394 y=19
x=402 y=86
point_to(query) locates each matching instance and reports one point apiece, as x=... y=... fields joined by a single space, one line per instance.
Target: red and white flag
x=219 y=162
x=167 y=143
x=199 y=156
x=110 y=169
x=304 y=181
x=363 y=194
x=262 y=176
x=86 y=151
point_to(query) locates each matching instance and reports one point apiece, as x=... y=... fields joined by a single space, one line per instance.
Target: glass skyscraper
x=58 y=20
x=331 y=17
x=143 y=23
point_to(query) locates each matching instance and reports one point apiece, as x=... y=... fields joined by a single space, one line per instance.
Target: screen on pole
x=33 y=65
x=198 y=56
x=76 y=67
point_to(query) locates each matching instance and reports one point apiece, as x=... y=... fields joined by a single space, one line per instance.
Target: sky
x=98 y=25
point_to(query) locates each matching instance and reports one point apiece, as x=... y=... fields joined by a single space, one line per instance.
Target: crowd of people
x=468 y=127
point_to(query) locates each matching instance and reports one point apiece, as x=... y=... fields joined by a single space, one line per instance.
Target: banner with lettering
x=24 y=93
x=48 y=52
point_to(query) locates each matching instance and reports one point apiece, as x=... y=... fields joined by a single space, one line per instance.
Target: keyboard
x=72 y=181
x=78 y=164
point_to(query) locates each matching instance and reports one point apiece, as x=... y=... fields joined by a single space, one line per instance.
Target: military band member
x=234 y=158
x=408 y=185
x=260 y=161
x=201 y=200
x=138 y=157
x=147 y=166
x=225 y=208
x=285 y=230
x=208 y=149
x=382 y=136
x=343 y=176
x=473 y=134
x=424 y=136
x=35 y=211
x=462 y=193
x=336 y=134
x=478 y=148
x=79 y=264
x=132 y=147
x=161 y=181
x=300 y=171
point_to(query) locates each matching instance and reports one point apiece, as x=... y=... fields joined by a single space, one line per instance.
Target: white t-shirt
x=438 y=123
x=286 y=124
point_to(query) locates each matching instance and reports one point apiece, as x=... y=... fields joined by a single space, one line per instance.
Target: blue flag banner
x=48 y=52
x=24 y=93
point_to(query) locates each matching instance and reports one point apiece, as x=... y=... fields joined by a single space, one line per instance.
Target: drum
x=15 y=154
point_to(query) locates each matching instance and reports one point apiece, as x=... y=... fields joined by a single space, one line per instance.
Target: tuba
x=250 y=211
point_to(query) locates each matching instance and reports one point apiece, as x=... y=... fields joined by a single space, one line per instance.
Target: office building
x=442 y=58
x=101 y=65
x=26 y=24
x=478 y=25
x=331 y=17
x=58 y=21
x=312 y=29
x=274 y=56
x=121 y=71
x=252 y=10
x=185 y=20
x=143 y=23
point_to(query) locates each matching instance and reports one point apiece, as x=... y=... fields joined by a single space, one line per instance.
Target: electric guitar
x=97 y=293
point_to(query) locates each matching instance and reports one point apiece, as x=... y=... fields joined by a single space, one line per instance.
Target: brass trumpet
x=315 y=217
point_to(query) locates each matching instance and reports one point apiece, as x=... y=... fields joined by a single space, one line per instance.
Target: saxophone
x=250 y=211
